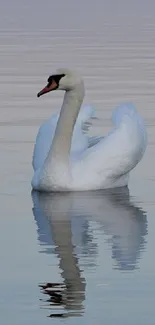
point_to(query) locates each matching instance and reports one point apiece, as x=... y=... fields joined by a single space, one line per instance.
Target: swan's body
x=105 y=164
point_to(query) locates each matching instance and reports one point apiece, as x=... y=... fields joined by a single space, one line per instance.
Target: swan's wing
x=47 y=130
x=115 y=154
x=92 y=141
x=86 y=113
x=43 y=141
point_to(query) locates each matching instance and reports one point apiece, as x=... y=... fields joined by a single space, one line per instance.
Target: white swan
x=105 y=164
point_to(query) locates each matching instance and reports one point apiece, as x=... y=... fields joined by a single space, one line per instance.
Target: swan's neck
x=60 y=149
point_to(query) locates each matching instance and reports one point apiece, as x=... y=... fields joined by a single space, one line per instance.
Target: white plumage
x=64 y=159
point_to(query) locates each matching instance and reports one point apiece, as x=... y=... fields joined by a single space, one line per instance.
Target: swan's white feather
x=109 y=162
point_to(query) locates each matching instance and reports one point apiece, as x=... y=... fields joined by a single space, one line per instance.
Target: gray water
x=81 y=257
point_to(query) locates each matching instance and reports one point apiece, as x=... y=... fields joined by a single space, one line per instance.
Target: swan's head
x=63 y=79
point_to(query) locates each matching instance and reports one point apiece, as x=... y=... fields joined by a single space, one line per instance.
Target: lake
x=75 y=257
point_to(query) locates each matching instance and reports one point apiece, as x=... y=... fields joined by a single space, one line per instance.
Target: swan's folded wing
x=92 y=141
x=86 y=113
x=114 y=156
x=43 y=142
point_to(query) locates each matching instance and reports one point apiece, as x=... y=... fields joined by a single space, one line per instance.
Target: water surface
x=85 y=257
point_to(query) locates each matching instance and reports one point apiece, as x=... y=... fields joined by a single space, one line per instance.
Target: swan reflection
x=63 y=222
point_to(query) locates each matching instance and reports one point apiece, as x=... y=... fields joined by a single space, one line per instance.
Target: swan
x=106 y=163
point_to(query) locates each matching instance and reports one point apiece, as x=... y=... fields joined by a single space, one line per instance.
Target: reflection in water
x=63 y=221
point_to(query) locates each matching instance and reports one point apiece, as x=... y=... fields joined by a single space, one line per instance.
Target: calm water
x=79 y=257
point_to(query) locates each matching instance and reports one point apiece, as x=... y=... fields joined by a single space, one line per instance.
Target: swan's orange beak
x=48 y=88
